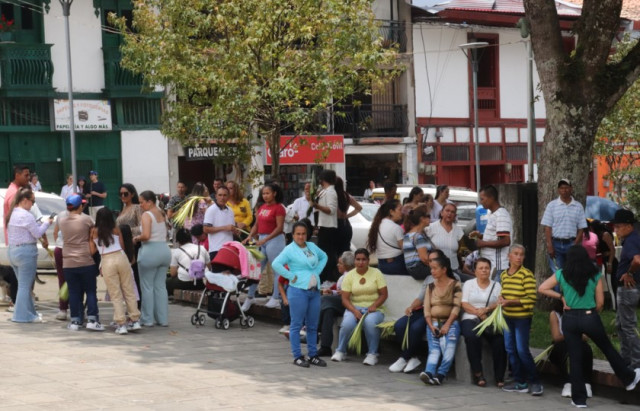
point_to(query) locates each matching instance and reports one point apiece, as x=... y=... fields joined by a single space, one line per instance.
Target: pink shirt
x=590 y=245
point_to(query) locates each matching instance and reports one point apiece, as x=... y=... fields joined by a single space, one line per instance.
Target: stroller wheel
x=201 y=319
x=218 y=324
x=243 y=322
x=194 y=319
x=250 y=321
x=225 y=323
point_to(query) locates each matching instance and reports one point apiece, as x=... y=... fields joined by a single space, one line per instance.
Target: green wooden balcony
x=26 y=70
x=119 y=82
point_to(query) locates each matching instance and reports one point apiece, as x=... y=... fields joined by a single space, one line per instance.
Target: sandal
x=500 y=384
x=479 y=380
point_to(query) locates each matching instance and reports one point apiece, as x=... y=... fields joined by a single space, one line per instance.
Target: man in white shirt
x=298 y=211
x=495 y=241
x=218 y=222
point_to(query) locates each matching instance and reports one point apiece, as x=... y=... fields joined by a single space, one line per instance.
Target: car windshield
x=466 y=211
x=369 y=210
x=49 y=206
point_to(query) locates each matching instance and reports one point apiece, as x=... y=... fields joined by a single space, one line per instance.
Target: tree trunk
x=273 y=139
x=566 y=153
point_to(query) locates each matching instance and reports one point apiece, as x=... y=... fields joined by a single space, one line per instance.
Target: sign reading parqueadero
x=208 y=152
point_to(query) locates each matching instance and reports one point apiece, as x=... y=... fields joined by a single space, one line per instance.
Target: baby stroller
x=221 y=306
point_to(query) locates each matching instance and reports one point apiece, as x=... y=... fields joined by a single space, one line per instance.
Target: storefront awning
x=375 y=149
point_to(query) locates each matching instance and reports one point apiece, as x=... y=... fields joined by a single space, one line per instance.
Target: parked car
x=465 y=199
x=45 y=205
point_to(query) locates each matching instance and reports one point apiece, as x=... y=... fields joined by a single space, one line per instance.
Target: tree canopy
x=236 y=71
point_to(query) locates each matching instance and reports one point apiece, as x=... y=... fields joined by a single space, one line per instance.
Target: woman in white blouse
x=445 y=234
x=385 y=238
x=479 y=299
x=23 y=233
x=68 y=188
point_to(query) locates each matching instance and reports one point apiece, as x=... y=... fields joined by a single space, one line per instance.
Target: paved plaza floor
x=182 y=367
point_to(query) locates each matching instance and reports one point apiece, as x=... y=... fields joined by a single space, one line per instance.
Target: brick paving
x=47 y=367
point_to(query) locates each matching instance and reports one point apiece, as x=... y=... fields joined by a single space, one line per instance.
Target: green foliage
x=235 y=70
x=618 y=138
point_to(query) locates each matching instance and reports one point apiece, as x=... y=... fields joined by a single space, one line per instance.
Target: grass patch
x=541 y=336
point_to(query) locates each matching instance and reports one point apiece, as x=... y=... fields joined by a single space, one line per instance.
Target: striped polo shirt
x=564 y=219
x=520 y=285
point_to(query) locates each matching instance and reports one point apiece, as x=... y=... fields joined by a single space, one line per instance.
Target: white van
x=464 y=198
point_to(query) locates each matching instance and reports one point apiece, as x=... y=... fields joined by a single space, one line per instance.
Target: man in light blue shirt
x=563 y=222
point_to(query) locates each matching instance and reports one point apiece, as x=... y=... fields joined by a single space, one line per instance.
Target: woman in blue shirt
x=582 y=294
x=304 y=261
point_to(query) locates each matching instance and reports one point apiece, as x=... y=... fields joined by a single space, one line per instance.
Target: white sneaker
x=248 y=302
x=272 y=303
x=566 y=390
x=338 y=356
x=134 y=326
x=636 y=380
x=94 y=326
x=73 y=326
x=122 y=329
x=398 y=366
x=412 y=365
x=284 y=329
x=589 y=391
x=370 y=359
x=62 y=315
x=578 y=405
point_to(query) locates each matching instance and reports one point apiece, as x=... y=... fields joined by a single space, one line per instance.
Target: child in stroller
x=233 y=268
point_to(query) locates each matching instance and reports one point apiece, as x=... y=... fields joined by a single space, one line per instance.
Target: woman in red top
x=268 y=227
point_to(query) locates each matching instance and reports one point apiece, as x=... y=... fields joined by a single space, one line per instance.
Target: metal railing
x=116 y=78
x=26 y=67
x=394 y=34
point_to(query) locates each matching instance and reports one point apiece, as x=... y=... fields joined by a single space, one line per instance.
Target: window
x=121 y=8
x=26 y=16
x=488 y=75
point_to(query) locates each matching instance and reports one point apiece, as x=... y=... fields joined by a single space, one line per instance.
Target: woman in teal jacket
x=304 y=261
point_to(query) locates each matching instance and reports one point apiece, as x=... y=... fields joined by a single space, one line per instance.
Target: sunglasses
x=124 y=194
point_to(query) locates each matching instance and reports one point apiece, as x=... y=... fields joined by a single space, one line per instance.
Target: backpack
x=196 y=266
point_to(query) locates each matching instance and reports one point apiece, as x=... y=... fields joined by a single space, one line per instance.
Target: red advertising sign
x=310 y=150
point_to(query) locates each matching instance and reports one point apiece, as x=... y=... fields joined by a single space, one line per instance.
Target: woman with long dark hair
x=440 y=200
x=606 y=251
x=131 y=216
x=415 y=244
x=199 y=209
x=385 y=238
x=345 y=232
x=270 y=237
x=583 y=296
x=326 y=204
x=416 y=196
x=106 y=239
x=442 y=302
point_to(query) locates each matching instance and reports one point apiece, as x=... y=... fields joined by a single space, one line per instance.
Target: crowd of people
x=317 y=282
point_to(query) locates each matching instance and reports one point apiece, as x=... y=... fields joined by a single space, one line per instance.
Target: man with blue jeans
x=628 y=295
x=563 y=222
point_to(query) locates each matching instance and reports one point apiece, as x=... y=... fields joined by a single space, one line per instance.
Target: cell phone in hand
x=53 y=215
x=436 y=333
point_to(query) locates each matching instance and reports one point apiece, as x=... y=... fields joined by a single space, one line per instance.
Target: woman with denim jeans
x=23 y=232
x=385 y=238
x=80 y=270
x=304 y=261
x=364 y=290
x=518 y=298
x=269 y=228
x=582 y=292
x=442 y=302
x=154 y=259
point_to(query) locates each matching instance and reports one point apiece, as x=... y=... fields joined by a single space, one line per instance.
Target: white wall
x=442 y=79
x=86 y=47
x=440 y=69
x=145 y=160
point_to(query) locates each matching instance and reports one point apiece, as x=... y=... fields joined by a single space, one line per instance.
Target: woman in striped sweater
x=517 y=299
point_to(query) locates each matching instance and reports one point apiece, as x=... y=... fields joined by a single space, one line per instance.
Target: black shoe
x=324 y=352
x=317 y=361
x=440 y=378
x=301 y=362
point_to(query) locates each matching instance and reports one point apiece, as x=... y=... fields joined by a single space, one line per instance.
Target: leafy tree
x=618 y=138
x=235 y=70
x=579 y=89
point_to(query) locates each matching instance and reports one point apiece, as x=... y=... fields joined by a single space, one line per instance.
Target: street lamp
x=473 y=55
x=525 y=31
x=66 y=11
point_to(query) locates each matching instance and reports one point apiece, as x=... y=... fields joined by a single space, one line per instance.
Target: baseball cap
x=93 y=173
x=623 y=216
x=75 y=201
x=563 y=182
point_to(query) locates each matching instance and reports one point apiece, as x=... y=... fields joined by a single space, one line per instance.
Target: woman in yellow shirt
x=240 y=206
x=364 y=290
